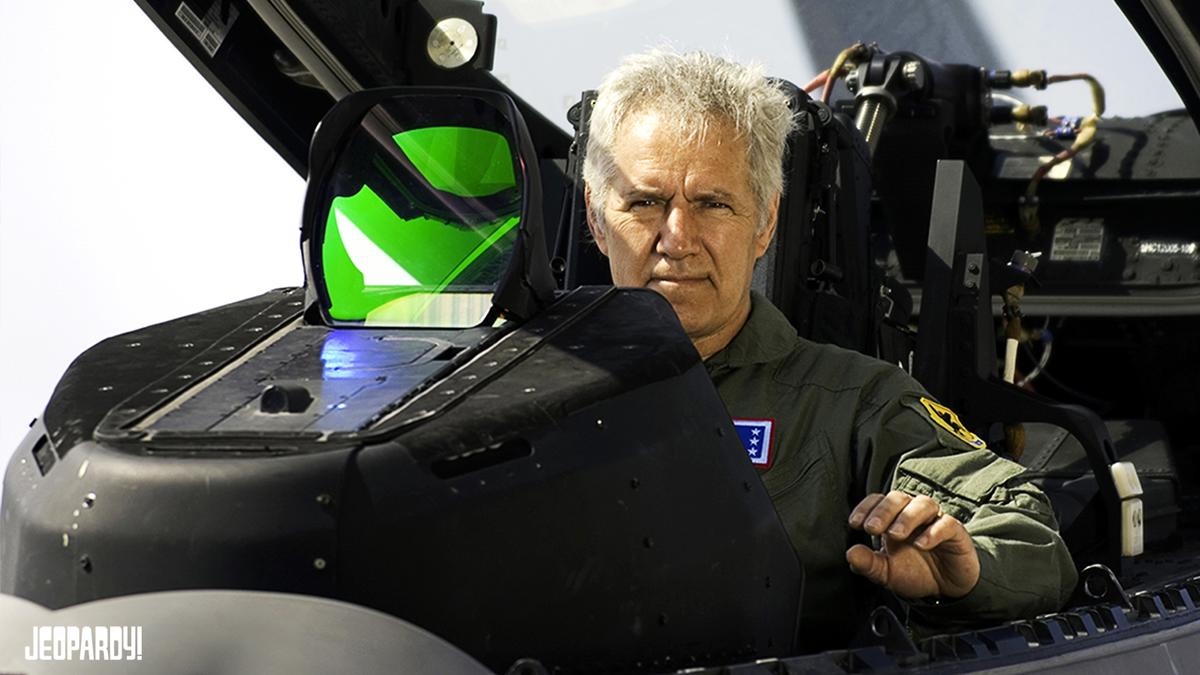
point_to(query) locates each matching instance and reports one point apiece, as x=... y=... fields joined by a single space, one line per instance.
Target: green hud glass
x=419 y=214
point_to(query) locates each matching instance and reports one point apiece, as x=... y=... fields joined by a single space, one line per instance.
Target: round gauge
x=452 y=42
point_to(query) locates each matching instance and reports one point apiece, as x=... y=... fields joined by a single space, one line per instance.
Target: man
x=684 y=177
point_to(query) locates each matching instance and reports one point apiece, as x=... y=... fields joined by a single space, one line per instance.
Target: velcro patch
x=758 y=438
x=948 y=420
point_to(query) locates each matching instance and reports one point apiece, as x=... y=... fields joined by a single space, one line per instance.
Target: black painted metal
x=121 y=378
x=461 y=513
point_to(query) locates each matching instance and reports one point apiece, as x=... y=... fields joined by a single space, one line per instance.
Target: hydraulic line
x=1085 y=137
x=854 y=52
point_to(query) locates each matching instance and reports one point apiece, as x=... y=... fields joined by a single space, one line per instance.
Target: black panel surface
x=121 y=366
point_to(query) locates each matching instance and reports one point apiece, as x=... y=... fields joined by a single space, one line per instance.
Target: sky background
x=131 y=193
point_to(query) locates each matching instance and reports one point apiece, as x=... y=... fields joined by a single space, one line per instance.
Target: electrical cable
x=1098 y=404
x=818 y=81
x=1047 y=346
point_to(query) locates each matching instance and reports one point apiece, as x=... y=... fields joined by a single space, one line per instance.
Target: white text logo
x=85 y=643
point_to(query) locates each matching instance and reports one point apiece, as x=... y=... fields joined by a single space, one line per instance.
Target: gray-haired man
x=684 y=177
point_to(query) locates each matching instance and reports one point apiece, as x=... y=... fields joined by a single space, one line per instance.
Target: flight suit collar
x=766 y=336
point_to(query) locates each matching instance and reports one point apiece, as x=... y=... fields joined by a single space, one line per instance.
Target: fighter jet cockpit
x=457 y=421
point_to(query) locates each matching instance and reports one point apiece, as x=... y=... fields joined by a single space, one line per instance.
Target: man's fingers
x=870 y=564
x=917 y=513
x=880 y=518
x=859 y=514
x=944 y=529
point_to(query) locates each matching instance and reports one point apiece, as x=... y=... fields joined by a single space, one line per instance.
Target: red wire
x=817 y=81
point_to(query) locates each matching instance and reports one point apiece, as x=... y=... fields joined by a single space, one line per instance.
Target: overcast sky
x=130 y=193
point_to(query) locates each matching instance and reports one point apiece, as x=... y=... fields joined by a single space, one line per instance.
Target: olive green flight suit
x=845 y=425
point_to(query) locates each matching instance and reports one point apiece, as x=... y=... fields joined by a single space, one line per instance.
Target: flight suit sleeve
x=909 y=442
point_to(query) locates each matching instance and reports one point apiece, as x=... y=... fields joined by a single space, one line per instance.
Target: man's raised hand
x=925 y=552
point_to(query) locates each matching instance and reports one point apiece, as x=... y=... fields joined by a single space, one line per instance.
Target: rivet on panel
x=319 y=563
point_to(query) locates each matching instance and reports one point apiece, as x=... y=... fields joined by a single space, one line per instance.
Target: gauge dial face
x=452 y=43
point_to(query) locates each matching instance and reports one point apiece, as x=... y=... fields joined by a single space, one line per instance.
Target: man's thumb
x=870 y=564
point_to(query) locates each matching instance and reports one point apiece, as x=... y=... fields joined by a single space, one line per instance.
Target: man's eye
x=716 y=205
x=643 y=203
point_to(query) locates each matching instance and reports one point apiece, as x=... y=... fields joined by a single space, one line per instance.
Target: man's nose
x=678 y=236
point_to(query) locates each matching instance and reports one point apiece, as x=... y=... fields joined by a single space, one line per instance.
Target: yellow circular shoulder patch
x=948 y=420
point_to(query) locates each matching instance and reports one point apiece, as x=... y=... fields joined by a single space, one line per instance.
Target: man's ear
x=763 y=238
x=596 y=230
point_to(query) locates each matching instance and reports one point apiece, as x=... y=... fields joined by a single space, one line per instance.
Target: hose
x=1085 y=137
x=856 y=51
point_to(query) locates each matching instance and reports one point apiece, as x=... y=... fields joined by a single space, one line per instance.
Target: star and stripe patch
x=757 y=437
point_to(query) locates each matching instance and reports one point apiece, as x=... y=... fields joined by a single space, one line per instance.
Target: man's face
x=683 y=221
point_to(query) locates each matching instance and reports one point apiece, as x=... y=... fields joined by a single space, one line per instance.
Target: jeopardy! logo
x=757 y=437
x=85 y=643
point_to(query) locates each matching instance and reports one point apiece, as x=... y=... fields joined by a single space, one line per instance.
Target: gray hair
x=691 y=91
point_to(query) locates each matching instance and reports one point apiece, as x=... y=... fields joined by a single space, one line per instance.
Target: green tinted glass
x=460 y=160
x=419 y=233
